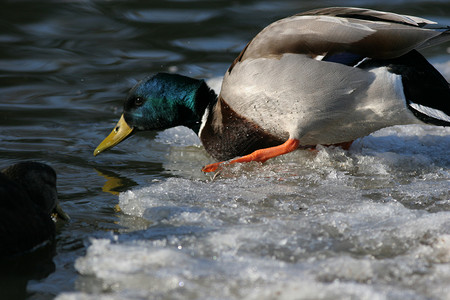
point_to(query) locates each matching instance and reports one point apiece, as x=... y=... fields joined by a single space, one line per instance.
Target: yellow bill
x=119 y=133
x=59 y=213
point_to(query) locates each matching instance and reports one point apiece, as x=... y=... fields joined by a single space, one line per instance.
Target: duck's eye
x=138 y=101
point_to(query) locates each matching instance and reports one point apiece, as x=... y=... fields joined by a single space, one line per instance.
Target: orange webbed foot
x=260 y=155
x=211 y=167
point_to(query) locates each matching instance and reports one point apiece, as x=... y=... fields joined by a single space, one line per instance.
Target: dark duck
x=327 y=76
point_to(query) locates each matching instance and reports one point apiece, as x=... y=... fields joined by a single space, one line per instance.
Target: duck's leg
x=260 y=155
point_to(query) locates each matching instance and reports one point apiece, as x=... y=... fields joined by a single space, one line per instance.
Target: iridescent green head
x=160 y=102
x=163 y=101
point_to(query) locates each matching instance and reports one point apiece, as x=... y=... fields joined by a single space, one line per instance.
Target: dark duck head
x=28 y=198
x=160 y=102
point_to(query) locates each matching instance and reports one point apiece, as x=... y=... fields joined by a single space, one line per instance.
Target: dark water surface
x=65 y=68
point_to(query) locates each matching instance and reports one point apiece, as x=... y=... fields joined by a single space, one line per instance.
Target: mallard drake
x=28 y=197
x=327 y=76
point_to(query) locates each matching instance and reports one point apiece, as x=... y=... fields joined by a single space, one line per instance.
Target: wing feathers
x=432 y=113
x=368 y=14
x=364 y=32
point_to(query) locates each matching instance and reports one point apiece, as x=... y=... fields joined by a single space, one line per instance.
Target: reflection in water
x=15 y=272
x=114 y=183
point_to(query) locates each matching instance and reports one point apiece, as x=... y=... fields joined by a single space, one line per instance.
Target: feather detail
x=431 y=112
x=363 y=32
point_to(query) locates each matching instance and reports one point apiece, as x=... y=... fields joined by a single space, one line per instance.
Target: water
x=369 y=223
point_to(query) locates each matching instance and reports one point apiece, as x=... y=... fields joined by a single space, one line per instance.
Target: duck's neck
x=192 y=97
x=204 y=98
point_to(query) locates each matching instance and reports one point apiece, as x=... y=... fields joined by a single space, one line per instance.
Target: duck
x=322 y=77
x=28 y=198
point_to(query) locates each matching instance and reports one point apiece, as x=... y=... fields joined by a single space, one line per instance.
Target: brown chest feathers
x=226 y=134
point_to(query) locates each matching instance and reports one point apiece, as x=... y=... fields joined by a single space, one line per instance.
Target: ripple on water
x=170 y=16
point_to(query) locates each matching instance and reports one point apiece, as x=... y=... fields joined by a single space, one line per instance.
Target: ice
x=178 y=136
x=216 y=83
x=369 y=223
